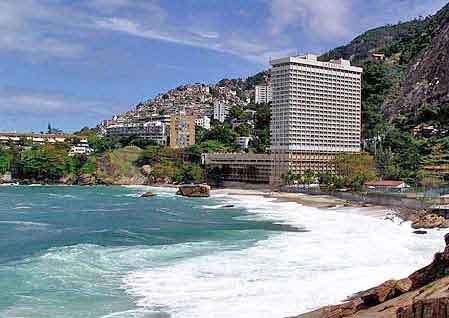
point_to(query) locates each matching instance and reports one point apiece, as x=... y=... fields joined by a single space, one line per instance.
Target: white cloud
x=250 y=49
x=322 y=18
x=32 y=27
x=206 y=34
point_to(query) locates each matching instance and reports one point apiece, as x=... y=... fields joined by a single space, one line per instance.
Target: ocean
x=105 y=252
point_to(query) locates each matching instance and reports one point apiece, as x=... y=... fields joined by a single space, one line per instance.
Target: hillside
x=197 y=99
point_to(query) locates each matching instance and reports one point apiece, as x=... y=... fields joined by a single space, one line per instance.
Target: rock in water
x=148 y=195
x=420 y=232
x=86 y=179
x=194 y=190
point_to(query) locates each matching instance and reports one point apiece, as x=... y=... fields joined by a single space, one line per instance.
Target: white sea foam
x=24 y=223
x=289 y=273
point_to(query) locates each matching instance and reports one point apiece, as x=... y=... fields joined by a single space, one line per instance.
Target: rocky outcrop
x=429 y=221
x=427 y=81
x=194 y=190
x=5 y=178
x=146 y=170
x=86 y=179
x=423 y=294
x=148 y=195
x=428 y=308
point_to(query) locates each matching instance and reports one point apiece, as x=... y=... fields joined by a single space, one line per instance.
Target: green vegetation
x=5 y=161
x=170 y=165
x=44 y=163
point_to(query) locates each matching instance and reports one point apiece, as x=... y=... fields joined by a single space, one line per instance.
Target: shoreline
x=323 y=201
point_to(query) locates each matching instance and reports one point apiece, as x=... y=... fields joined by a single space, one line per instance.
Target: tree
x=357 y=168
x=5 y=161
x=308 y=177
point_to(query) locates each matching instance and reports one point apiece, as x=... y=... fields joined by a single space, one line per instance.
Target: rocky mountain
x=427 y=78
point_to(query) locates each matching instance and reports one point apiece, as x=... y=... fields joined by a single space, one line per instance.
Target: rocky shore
x=423 y=294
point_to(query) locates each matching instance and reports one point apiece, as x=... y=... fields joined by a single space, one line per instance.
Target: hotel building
x=316 y=113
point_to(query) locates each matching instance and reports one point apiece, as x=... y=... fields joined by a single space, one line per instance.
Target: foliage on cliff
x=48 y=162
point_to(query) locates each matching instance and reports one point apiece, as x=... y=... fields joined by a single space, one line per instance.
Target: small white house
x=243 y=142
x=80 y=149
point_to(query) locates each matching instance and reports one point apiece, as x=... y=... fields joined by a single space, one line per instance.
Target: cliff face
x=427 y=80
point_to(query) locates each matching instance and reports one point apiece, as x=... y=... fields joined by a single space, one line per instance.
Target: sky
x=74 y=63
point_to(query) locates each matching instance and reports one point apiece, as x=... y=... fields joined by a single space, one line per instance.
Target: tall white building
x=221 y=110
x=316 y=112
x=263 y=94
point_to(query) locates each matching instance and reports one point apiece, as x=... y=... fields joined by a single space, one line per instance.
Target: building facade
x=182 y=131
x=33 y=138
x=263 y=94
x=316 y=113
x=153 y=130
x=203 y=122
x=238 y=167
x=221 y=110
x=243 y=142
x=156 y=131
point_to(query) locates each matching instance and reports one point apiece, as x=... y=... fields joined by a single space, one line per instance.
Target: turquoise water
x=69 y=252
x=66 y=251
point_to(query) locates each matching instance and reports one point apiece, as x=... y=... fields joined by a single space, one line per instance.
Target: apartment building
x=263 y=94
x=203 y=122
x=156 y=131
x=316 y=113
x=126 y=130
x=182 y=131
x=221 y=110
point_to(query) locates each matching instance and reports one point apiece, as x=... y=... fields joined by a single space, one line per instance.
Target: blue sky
x=76 y=62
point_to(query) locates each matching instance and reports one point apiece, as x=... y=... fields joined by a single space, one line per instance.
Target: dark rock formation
x=427 y=80
x=420 y=232
x=194 y=190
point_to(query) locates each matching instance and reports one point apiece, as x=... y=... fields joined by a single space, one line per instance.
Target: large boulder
x=194 y=190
